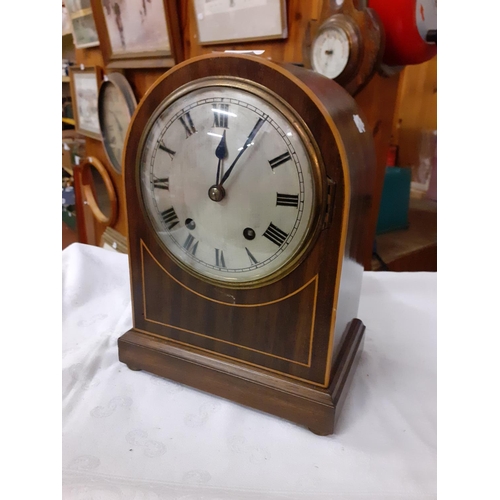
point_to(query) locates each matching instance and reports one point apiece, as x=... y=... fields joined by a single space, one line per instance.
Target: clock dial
x=116 y=105
x=330 y=52
x=228 y=183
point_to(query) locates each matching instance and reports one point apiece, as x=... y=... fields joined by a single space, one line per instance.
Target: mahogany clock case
x=288 y=348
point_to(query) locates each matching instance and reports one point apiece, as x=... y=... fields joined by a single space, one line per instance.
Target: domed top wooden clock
x=247 y=185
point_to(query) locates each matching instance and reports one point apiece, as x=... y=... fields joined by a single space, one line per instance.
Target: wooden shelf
x=65 y=79
x=68 y=169
x=415 y=248
x=69 y=121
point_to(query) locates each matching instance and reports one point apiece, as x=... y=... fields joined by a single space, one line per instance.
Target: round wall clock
x=247 y=188
x=346 y=44
x=331 y=50
x=116 y=105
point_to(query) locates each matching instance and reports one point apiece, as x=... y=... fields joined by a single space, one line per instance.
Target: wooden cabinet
x=414 y=122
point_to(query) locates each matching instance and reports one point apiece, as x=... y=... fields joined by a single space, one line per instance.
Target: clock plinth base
x=313 y=407
x=134 y=368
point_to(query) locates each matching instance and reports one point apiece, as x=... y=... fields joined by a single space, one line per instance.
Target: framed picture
x=235 y=21
x=82 y=23
x=138 y=33
x=84 y=95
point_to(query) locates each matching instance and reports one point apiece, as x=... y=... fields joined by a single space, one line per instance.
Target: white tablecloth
x=136 y=436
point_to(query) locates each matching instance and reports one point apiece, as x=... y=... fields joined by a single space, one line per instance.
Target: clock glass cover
x=116 y=106
x=330 y=52
x=228 y=182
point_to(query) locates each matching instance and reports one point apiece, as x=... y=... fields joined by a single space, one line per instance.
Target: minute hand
x=249 y=140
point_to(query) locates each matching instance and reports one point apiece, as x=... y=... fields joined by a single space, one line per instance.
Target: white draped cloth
x=135 y=436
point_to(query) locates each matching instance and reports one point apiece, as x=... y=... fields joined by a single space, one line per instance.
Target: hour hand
x=221 y=153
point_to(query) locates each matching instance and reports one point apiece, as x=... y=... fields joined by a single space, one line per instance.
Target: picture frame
x=139 y=33
x=85 y=83
x=238 y=21
x=83 y=25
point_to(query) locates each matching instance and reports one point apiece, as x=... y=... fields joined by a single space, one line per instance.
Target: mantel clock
x=247 y=187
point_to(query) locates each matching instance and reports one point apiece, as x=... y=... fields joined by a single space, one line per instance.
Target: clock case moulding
x=288 y=348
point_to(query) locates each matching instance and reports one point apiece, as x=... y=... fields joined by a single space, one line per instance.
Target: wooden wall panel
x=140 y=80
x=299 y=13
x=416 y=110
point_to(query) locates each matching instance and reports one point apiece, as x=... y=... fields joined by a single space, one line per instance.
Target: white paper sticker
x=255 y=52
x=105 y=78
x=77 y=160
x=82 y=66
x=359 y=123
x=66 y=147
x=115 y=245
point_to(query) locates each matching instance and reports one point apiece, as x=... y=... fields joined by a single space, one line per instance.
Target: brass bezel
x=318 y=173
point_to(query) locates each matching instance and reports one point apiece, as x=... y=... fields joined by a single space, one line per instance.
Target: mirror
x=99 y=191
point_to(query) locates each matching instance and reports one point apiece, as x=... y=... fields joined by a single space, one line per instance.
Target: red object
x=392 y=156
x=404 y=44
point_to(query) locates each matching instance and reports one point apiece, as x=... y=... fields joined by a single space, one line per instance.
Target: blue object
x=395 y=201
x=68 y=196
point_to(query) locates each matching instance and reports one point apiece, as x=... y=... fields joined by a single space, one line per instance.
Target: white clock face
x=330 y=52
x=115 y=120
x=228 y=184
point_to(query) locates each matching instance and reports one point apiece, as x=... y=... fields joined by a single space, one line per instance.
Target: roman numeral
x=170 y=152
x=219 y=258
x=160 y=183
x=188 y=125
x=279 y=160
x=221 y=116
x=287 y=200
x=188 y=244
x=253 y=260
x=275 y=234
x=170 y=218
